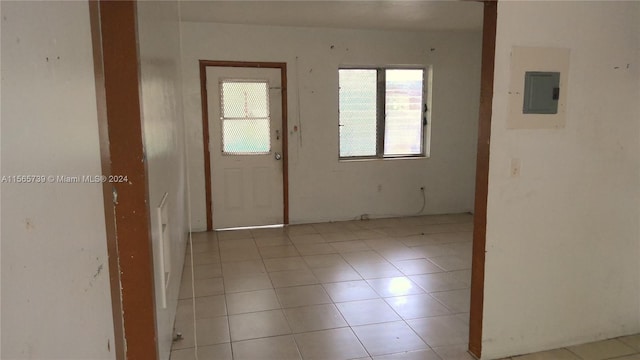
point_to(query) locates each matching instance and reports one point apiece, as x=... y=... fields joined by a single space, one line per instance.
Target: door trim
x=482 y=177
x=127 y=220
x=205 y=129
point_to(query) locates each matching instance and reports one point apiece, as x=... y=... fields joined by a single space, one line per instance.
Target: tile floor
x=375 y=289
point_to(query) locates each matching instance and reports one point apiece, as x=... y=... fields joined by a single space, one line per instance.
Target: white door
x=245 y=143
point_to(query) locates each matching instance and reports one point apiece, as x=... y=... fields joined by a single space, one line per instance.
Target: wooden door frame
x=126 y=206
x=482 y=177
x=205 y=129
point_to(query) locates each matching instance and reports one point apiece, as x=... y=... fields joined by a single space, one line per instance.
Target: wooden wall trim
x=482 y=178
x=122 y=150
x=205 y=129
x=105 y=160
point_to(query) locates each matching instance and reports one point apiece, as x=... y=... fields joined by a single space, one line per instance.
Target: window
x=381 y=113
x=245 y=117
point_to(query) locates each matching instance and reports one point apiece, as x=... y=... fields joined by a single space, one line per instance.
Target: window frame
x=425 y=135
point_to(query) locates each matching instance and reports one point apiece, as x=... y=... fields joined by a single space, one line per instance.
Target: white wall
x=55 y=279
x=161 y=91
x=563 y=238
x=321 y=187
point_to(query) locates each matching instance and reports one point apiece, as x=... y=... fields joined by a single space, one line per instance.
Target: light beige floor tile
x=184 y=327
x=205 y=246
x=442 y=228
x=183 y=354
x=243 y=268
x=212 y=331
x=416 y=266
x=292 y=278
x=454 y=352
x=350 y=246
x=402 y=231
x=455 y=300
x=334 y=344
x=282 y=264
x=272 y=348
x=629 y=357
x=315 y=249
x=377 y=270
x=350 y=291
x=340 y=236
x=206 y=258
x=210 y=352
x=247 y=283
x=234 y=235
x=320 y=261
x=210 y=306
x=300 y=230
x=410 y=355
x=215 y=352
x=302 y=296
x=435 y=250
x=602 y=350
x=268 y=233
x=363 y=257
x=236 y=244
x=239 y=254
x=417 y=306
x=389 y=338
x=465 y=317
x=336 y=274
x=314 y=317
x=307 y=239
x=202 y=287
x=205 y=271
x=366 y=312
x=395 y=286
x=258 y=325
x=367 y=234
x=185 y=310
x=330 y=227
x=441 y=330
x=273 y=241
x=633 y=341
x=310 y=238
x=557 y=354
x=415 y=240
x=281 y=251
x=204 y=236
x=452 y=262
x=252 y=301
x=399 y=253
x=441 y=281
x=382 y=242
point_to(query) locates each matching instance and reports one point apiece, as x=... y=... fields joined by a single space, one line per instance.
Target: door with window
x=245 y=143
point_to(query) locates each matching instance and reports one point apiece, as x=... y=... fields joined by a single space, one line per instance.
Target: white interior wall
x=56 y=299
x=563 y=237
x=322 y=188
x=161 y=97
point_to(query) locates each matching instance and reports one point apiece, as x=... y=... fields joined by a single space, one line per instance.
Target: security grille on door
x=245 y=117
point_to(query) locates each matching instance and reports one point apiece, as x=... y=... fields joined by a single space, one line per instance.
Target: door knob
x=278 y=156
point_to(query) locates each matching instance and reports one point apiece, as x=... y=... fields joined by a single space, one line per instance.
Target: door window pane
x=245 y=117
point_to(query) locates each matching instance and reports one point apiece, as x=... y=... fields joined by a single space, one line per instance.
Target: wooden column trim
x=205 y=129
x=126 y=203
x=482 y=177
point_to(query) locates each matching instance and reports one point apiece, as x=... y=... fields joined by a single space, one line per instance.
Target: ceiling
x=406 y=15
